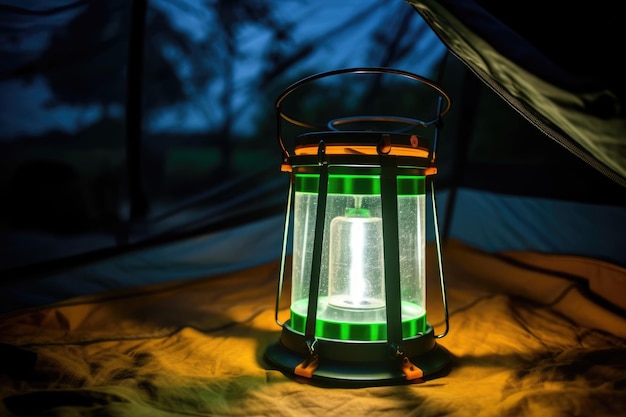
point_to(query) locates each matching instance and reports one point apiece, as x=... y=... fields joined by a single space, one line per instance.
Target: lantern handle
x=280 y=115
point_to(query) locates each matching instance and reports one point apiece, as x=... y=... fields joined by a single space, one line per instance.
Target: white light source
x=356 y=274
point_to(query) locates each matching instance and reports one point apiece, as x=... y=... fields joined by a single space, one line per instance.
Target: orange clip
x=307 y=366
x=432 y=170
x=410 y=370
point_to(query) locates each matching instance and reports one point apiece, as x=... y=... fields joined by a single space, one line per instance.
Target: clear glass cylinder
x=351 y=298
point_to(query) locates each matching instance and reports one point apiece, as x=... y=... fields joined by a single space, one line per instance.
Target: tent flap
x=578 y=104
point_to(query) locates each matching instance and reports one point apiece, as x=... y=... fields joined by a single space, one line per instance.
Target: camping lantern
x=357 y=204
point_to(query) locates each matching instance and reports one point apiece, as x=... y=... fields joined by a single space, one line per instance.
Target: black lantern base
x=359 y=364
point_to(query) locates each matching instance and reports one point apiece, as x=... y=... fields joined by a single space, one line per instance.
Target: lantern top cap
x=363 y=143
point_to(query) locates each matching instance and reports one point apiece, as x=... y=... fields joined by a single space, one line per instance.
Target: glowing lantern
x=358 y=284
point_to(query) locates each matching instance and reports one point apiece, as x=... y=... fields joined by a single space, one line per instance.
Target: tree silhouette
x=192 y=55
x=204 y=55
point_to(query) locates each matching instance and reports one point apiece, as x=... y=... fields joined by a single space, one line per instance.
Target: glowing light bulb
x=356 y=277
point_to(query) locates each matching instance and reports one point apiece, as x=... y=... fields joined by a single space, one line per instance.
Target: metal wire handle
x=280 y=115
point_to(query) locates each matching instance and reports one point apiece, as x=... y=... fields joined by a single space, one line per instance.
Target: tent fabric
x=523 y=341
x=574 y=97
x=494 y=222
x=232 y=249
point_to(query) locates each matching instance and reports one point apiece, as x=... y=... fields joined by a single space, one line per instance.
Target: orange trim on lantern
x=307 y=367
x=287 y=167
x=430 y=171
x=410 y=370
x=361 y=150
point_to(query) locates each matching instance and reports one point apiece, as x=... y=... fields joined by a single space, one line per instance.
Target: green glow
x=410 y=185
x=357 y=331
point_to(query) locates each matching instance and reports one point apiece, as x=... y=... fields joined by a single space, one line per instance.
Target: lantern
x=357 y=206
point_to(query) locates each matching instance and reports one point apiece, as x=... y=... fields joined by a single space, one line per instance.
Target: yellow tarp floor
x=525 y=342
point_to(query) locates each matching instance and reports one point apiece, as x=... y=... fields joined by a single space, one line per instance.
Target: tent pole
x=134 y=92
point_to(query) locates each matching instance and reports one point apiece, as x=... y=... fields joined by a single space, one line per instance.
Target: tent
x=143 y=204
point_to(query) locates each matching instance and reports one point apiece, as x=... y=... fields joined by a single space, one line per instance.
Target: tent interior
x=143 y=216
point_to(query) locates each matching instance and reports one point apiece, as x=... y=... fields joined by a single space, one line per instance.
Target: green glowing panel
x=359 y=184
x=358 y=330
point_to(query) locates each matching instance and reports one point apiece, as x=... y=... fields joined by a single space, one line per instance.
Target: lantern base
x=359 y=364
